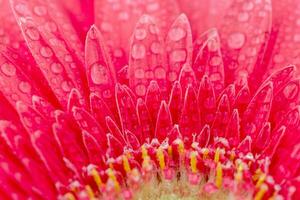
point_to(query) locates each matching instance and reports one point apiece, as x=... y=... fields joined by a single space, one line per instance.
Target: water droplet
x=22 y=9
x=177 y=34
x=32 y=33
x=243 y=17
x=68 y=58
x=156 y=48
x=8 y=69
x=99 y=74
x=297 y=38
x=51 y=26
x=24 y=87
x=172 y=76
x=40 y=10
x=106 y=27
x=298 y=22
x=236 y=40
x=160 y=73
x=140 y=33
x=213 y=45
x=56 y=68
x=178 y=56
x=46 y=52
x=291 y=90
x=248 y=6
x=153 y=29
x=140 y=90
x=66 y=86
x=153 y=7
x=215 y=61
x=139 y=73
x=123 y=16
x=138 y=51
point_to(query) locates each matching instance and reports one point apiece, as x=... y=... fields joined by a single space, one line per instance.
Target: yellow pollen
x=112 y=177
x=257 y=175
x=219 y=175
x=161 y=158
x=126 y=164
x=170 y=151
x=90 y=192
x=217 y=155
x=144 y=152
x=96 y=178
x=180 y=147
x=193 y=161
x=232 y=155
x=69 y=196
x=239 y=173
x=261 y=180
x=205 y=152
x=260 y=194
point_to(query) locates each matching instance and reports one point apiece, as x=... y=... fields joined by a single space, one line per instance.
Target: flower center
x=166 y=172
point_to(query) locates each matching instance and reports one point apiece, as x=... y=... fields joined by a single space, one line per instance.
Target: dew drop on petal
x=46 y=52
x=40 y=10
x=243 y=17
x=56 y=68
x=66 y=86
x=139 y=73
x=24 y=87
x=290 y=91
x=156 y=48
x=140 y=90
x=8 y=69
x=178 y=56
x=177 y=33
x=32 y=33
x=99 y=74
x=236 y=40
x=140 y=33
x=160 y=73
x=138 y=51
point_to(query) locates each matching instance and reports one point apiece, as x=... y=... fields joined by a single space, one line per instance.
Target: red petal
x=209 y=60
x=207 y=101
x=164 y=122
x=144 y=121
x=147 y=59
x=95 y=152
x=232 y=132
x=179 y=47
x=258 y=111
x=243 y=34
x=176 y=101
x=87 y=122
x=153 y=99
x=190 y=122
x=204 y=136
x=100 y=70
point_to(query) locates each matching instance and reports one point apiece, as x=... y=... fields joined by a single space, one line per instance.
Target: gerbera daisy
x=154 y=99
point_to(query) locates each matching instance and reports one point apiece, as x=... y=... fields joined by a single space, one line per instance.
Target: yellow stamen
x=239 y=173
x=257 y=174
x=232 y=155
x=126 y=164
x=96 y=177
x=170 y=151
x=180 y=147
x=219 y=175
x=90 y=192
x=161 y=158
x=261 y=180
x=205 y=152
x=144 y=152
x=112 y=177
x=260 y=194
x=193 y=161
x=69 y=196
x=217 y=155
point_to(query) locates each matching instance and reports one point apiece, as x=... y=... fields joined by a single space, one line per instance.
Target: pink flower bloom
x=149 y=103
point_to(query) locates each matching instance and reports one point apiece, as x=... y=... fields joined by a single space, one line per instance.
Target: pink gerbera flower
x=149 y=103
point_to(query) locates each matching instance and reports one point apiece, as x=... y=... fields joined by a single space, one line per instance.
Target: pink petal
x=147 y=59
x=179 y=47
x=164 y=122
